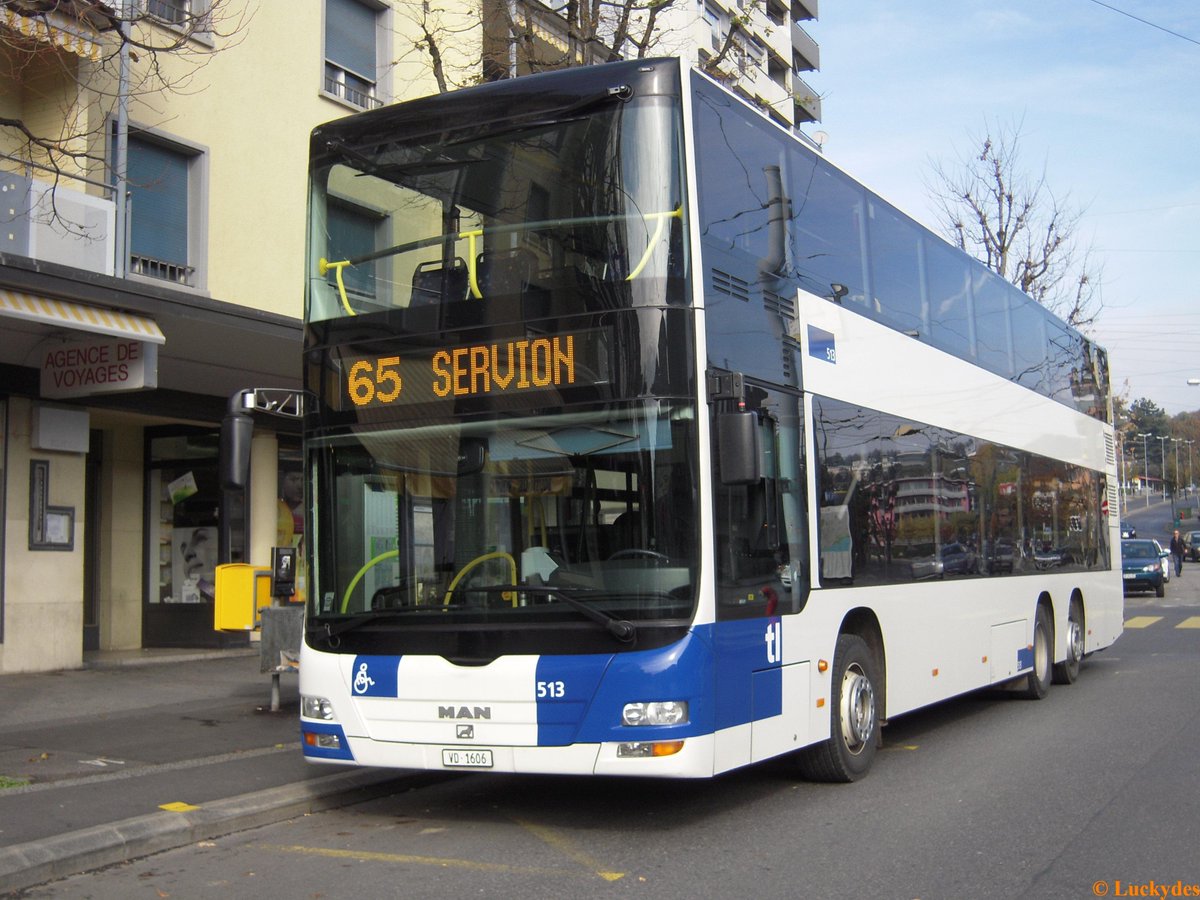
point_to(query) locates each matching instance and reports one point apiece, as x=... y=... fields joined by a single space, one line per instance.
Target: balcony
x=807 y=101
x=773 y=34
x=805 y=51
x=804 y=9
x=354 y=96
x=176 y=273
x=56 y=224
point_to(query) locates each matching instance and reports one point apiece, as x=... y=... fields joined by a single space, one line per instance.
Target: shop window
x=184 y=495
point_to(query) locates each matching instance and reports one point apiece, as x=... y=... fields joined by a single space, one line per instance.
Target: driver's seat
x=625 y=533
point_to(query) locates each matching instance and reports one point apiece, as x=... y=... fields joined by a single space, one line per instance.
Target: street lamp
x=1145 y=465
x=1123 y=471
x=1176 y=441
x=1162 y=463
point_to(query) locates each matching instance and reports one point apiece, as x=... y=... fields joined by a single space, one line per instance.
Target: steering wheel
x=634 y=552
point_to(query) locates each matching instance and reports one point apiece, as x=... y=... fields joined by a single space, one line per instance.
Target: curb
x=34 y=863
x=120 y=661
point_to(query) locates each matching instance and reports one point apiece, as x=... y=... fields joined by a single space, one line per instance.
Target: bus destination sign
x=522 y=365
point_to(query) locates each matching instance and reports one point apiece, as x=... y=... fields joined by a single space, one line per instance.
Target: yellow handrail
x=472 y=267
x=661 y=218
x=510 y=596
x=324 y=265
x=363 y=571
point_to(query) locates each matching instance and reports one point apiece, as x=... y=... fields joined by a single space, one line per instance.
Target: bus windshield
x=503 y=454
x=583 y=519
x=564 y=209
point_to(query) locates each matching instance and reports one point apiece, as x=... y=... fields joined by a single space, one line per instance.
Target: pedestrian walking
x=1177 y=552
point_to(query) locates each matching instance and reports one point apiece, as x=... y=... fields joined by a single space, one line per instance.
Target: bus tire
x=1037 y=682
x=854 y=717
x=1067 y=671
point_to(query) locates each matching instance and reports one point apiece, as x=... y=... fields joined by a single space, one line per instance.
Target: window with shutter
x=159 y=211
x=351 y=44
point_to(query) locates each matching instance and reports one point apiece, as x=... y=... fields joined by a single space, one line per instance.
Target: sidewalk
x=148 y=750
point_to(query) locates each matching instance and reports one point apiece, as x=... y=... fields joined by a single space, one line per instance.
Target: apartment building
x=759 y=48
x=133 y=309
x=768 y=49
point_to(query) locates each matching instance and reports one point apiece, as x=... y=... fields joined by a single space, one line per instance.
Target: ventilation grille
x=782 y=305
x=730 y=285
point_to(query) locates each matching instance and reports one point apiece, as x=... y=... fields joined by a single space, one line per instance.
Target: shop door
x=183 y=498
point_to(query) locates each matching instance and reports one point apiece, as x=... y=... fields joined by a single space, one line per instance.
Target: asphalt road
x=1091 y=792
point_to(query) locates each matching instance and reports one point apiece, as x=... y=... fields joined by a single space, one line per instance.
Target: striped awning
x=53 y=29
x=80 y=317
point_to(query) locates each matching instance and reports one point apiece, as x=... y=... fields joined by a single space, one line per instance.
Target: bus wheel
x=1037 y=683
x=1067 y=671
x=854 y=717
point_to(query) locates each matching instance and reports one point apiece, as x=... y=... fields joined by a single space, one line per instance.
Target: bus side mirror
x=236 y=431
x=738 y=449
x=472 y=456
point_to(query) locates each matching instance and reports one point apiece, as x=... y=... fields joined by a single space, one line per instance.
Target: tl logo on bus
x=774 y=642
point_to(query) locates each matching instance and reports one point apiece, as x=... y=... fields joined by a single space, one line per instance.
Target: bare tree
x=73 y=61
x=1014 y=223
x=519 y=37
x=575 y=32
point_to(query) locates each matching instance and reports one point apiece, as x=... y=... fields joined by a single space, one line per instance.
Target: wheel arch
x=1076 y=597
x=865 y=624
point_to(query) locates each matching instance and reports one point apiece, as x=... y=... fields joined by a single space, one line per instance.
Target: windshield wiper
x=330 y=630
x=622 y=629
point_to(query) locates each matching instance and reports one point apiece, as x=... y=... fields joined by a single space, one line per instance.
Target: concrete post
x=264 y=496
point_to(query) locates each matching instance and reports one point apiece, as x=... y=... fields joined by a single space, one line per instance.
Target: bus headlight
x=316 y=708
x=659 y=712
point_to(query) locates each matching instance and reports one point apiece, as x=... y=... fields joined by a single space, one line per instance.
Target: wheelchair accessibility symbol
x=362 y=681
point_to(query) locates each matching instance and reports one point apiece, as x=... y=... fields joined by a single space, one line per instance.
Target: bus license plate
x=467 y=759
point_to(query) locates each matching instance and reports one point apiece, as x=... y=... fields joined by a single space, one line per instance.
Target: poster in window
x=194 y=564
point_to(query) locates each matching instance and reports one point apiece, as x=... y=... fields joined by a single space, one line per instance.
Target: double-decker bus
x=647 y=442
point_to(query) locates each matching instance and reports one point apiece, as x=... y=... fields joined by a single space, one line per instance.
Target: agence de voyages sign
x=103 y=366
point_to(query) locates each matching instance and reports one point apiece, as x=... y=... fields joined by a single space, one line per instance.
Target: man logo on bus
x=774 y=641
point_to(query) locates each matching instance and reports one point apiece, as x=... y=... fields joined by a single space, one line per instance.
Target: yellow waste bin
x=242 y=590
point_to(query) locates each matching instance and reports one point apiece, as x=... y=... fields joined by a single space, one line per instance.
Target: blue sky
x=1109 y=106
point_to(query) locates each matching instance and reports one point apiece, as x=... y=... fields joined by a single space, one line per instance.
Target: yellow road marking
x=439 y=861
x=564 y=846
x=1193 y=622
x=1142 y=621
x=178 y=806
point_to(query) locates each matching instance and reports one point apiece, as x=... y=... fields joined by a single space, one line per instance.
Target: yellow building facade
x=126 y=329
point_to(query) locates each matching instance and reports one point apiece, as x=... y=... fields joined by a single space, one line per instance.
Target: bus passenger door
x=762 y=571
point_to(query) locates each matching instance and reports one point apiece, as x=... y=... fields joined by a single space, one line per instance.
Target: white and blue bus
x=647 y=442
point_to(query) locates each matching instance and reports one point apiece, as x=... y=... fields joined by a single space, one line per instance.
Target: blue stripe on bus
x=749 y=671
x=728 y=673
x=721 y=671
x=341 y=752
